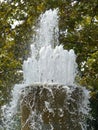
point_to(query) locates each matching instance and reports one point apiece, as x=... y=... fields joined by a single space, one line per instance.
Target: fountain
x=48 y=98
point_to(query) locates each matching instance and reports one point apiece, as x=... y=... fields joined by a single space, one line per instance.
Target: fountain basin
x=52 y=107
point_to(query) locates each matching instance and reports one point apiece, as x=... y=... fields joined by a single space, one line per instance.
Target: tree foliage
x=78 y=30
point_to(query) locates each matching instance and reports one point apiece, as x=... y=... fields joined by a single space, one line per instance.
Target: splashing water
x=49 y=64
x=59 y=63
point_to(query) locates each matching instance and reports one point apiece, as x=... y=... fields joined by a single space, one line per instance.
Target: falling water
x=49 y=69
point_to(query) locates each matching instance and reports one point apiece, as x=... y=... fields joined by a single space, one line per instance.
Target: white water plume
x=49 y=64
x=47 y=31
x=52 y=66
